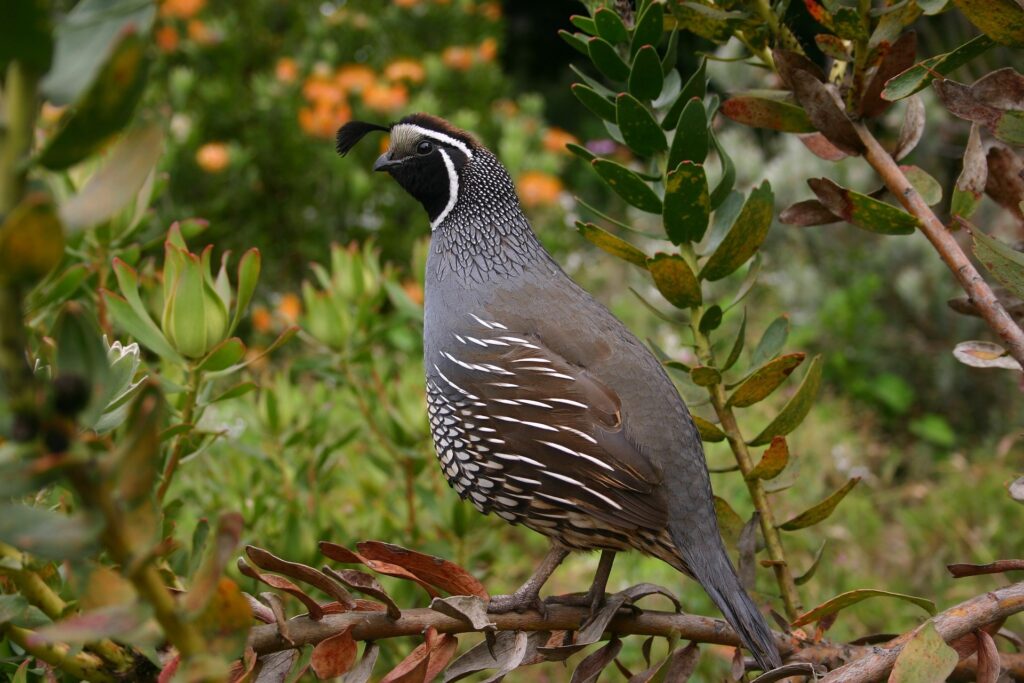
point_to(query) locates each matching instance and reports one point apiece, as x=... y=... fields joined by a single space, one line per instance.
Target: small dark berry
x=56 y=440
x=70 y=394
x=24 y=427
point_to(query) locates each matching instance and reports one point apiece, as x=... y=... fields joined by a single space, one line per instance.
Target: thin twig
x=81 y=666
x=954 y=257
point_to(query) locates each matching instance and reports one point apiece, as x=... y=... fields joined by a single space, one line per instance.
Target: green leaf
x=595 y=102
x=85 y=39
x=710 y=320
x=580 y=151
x=848 y=24
x=585 y=24
x=774 y=460
x=224 y=355
x=16 y=610
x=26 y=35
x=1005 y=263
x=646 y=78
x=926 y=657
x=708 y=432
x=704 y=376
x=628 y=185
x=728 y=179
x=770 y=109
x=796 y=408
x=607 y=60
x=141 y=329
x=671 y=56
x=852 y=598
x=612 y=244
x=920 y=75
x=863 y=211
x=117 y=182
x=926 y=186
x=692 y=138
x=104 y=109
x=696 y=87
x=675 y=280
x=649 y=28
x=744 y=237
x=1000 y=20
x=706 y=21
x=821 y=511
x=737 y=345
x=729 y=522
x=639 y=129
x=687 y=203
x=809 y=574
x=46 y=533
x=575 y=40
x=610 y=26
x=765 y=380
x=31 y=240
x=138 y=451
x=771 y=341
x=248 y=277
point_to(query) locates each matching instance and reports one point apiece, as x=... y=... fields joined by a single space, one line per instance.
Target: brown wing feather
x=558 y=429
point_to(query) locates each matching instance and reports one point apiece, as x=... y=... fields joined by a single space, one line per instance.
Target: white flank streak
x=531 y=402
x=568 y=402
x=531 y=482
x=504 y=385
x=531 y=360
x=603 y=497
x=563 y=501
x=453 y=384
x=580 y=434
x=459 y=338
x=477 y=341
x=506 y=401
x=519 y=458
x=482 y=322
x=453 y=185
x=538 y=425
x=494 y=342
x=578 y=454
x=441 y=137
x=556 y=475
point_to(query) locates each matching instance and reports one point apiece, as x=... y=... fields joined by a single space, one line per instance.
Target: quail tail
x=712 y=568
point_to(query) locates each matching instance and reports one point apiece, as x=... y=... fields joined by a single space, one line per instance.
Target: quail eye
x=425 y=147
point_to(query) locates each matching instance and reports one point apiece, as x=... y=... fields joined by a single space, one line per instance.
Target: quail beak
x=385 y=163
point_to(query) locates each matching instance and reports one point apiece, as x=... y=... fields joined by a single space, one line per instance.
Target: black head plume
x=354 y=131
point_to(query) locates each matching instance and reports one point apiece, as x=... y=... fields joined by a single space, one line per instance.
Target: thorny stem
x=954 y=257
x=187 y=416
x=727 y=420
x=81 y=666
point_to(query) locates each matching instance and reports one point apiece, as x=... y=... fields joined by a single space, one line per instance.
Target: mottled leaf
x=639 y=129
x=925 y=658
x=611 y=244
x=765 y=380
x=774 y=460
x=628 y=185
x=675 y=280
x=707 y=21
x=920 y=75
x=1005 y=263
x=773 y=109
x=1005 y=182
x=821 y=511
x=1002 y=89
x=825 y=114
x=796 y=408
x=818 y=145
x=705 y=376
x=834 y=46
x=744 y=237
x=730 y=524
x=983 y=354
x=687 y=207
x=895 y=59
x=1001 y=20
x=708 y=432
x=863 y=211
x=844 y=600
x=1007 y=126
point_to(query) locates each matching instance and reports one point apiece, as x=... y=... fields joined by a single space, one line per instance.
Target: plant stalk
x=772 y=538
x=20 y=110
x=949 y=249
x=81 y=666
x=187 y=415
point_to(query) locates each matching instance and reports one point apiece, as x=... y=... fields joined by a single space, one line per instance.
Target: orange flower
x=322 y=90
x=261 y=319
x=491 y=11
x=385 y=98
x=505 y=107
x=537 y=188
x=413 y=291
x=457 y=57
x=213 y=157
x=286 y=70
x=488 y=50
x=555 y=140
x=354 y=77
x=183 y=9
x=322 y=119
x=201 y=33
x=50 y=114
x=167 y=38
x=289 y=308
x=405 y=70
x=406 y=3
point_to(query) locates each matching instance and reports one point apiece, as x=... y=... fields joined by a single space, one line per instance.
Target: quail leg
x=527 y=596
x=595 y=596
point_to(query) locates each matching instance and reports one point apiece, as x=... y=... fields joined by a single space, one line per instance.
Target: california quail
x=544 y=408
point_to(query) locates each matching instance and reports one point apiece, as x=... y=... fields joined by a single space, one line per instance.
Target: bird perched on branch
x=544 y=408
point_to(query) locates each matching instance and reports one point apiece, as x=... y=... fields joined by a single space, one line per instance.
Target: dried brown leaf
x=824 y=112
x=912 y=128
x=593 y=664
x=682 y=663
x=280 y=583
x=897 y=58
x=362 y=671
x=787 y=63
x=999 y=566
x=796 y=669
x=367 y=585
x=1005 y=181
x=334 y=656
x=1002 y=89
x=426 y=661
x=469 y=608
x=276 y=605
x=259 y=611
x=989 y=665
x=265 y=559
x=820 y=147
x=340 y=553
x=436 y=571
x=510 y=649
x=275 y=667
x=807 y=213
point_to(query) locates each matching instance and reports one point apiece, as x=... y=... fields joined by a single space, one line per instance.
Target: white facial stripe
x=453 y=190
x=440 y=137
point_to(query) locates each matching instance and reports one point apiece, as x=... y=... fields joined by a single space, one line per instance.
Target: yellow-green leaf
x=31 y=240
x=730 y=524
x=628 y=185
x=704 y=376
x=687 y=202
x=852 y=598
x=744 y=237
x=925 y=658
x=772 y=462
x=765 y=380
x=1004 y=262
x=1001 y=20
x=821 y=511
x=675 y=280
x=796 y=409
x=612 y=244
x=708 y=431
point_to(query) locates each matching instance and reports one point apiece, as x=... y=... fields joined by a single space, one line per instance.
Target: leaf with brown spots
x=1007 y=126
x=675 y=280
x=774 y=460
x=765 y=380
x=1005 y=181
x=772 y=109
x=863 y=211
x=818 y=145
x=807 y=213
x=925 y=658
x=1002 y=89
x=825 y=113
